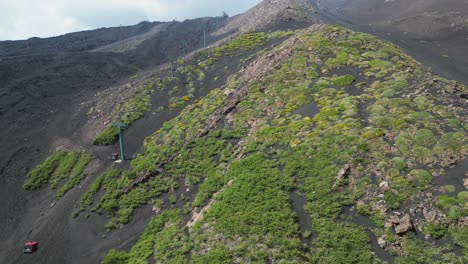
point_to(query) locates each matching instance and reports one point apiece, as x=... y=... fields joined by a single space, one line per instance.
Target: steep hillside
x=45 y=83
x=73 y=42
x=333 y=147
x=285 y=140
x=285 y=13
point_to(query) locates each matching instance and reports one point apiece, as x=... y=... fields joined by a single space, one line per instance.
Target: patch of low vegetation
x=62 y=165
x=87 y=198
x=43 y=171
x=241 y=43
x=127 y=113
x=63 y=169
x=343 y=80
x=417 y=251
x=76 y=175
x=163 y=235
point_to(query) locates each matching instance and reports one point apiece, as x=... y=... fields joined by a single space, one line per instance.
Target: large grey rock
x=404 y=225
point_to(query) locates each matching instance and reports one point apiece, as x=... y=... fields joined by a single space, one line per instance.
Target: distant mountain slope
x=417 y=19
x=272 y=12
x=39 y=78
x=73 y=42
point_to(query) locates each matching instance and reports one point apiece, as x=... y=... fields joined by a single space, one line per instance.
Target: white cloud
x=21 y=19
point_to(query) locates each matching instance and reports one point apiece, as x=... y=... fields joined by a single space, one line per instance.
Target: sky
x=22 y=19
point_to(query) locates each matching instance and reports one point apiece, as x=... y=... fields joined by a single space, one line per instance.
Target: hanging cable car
x=30 y=246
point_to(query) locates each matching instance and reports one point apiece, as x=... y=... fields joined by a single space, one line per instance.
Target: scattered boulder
x=382 y=242
x=429 y=215
x=343 y=172
x=384 y=186
x=404 y=225
x=396 y=249
x=382 y=208
x=228 y=92
x=391 y=221
x=156 y=209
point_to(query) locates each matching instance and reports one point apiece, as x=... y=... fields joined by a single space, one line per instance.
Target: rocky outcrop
x=342 y=173
x=388 y=246
x=429 y=215
x=269 y=11
x=391 y=221
x=384 y=186
x=404 y=225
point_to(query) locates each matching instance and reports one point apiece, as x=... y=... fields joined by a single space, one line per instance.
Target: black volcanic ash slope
x=435 y=32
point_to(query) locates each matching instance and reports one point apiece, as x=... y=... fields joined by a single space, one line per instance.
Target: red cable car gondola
x=30 y=246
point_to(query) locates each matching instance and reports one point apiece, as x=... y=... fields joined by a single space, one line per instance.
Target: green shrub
x=455 y=213
x=382 y=165
x=445 y=202
x=43 y=172
x=127 y=113
x=394 y=200
x=449 y=188
x=148 y=242
x=424 y=137
x=76 y=175
x=87 y=198
x=417 y=251
x=220 y=254
x=435 y=230
x=389 y=93
x=108 y=136
x=344 y=80
x=424 y=177
x=373 y=133
x=364 y=209
x=422 y=102
x=115 y=257
x=463 y=197
x=399 y=163
x=212 y=184
x=173 y=199
x=311 y=74
x=460 y=236
x=65 y=166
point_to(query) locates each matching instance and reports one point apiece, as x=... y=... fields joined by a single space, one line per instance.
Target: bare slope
x=285 y=13
x=433 y=31
x=417 y=19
